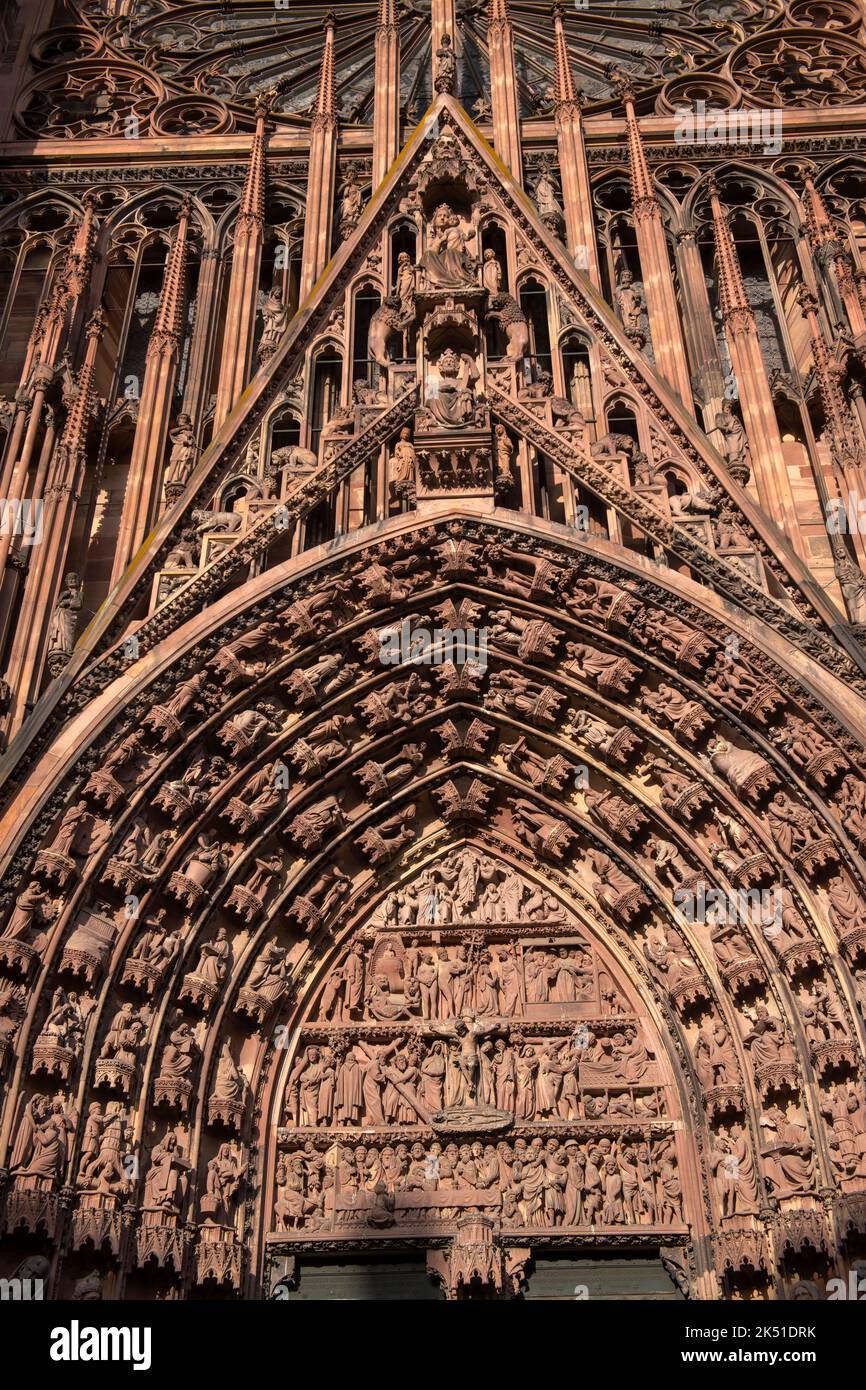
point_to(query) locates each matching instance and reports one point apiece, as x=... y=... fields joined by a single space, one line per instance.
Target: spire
x=252 y=207
x=169 y=316
x=387 y=15
x=735 y=307
x=565 y=91
x=325 y=104
x=69 y=283
x=643 y=196
x=75 y=429
x=81 y=251
x=836 y=413
x=829 y=249
x=497 y=13
x=818 y=223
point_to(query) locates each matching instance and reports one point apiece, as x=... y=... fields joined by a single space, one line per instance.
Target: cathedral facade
x=433 y=820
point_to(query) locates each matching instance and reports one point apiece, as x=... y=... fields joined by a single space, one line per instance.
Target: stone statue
x=404 y=463
x=405 y=287
x=275 y=321
x=454 y=401
x=446 y=264
x=547 y=202
x=733 y=443
x=64 y=620
x=351 y=202
x=491 y=272
x=386 y=320
x=446 y=65
x=505 y=310
x=631 y=305
x=182 y=456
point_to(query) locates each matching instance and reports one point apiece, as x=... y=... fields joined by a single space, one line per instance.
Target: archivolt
x=627 y=740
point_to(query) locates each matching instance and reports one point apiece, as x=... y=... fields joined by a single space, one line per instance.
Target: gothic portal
x=431 y=626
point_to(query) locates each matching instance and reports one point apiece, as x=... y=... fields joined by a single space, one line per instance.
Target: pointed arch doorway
x=478 y=1099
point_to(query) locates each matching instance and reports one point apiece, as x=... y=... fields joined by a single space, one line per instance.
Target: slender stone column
x=386 y=107
x=669 y=348
x=769 y=469
x=831 y=256
x=573 y=169
x=707 y=373
x=202 y=348
x=52 y=322
x=154 y=412
x=240 y=324
x=49 y=560
x=503 y=88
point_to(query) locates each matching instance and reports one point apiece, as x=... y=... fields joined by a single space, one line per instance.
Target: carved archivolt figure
x=225 y=1174
x=214 y=959
x=789 y=1157
x=167 y=1181
x=43 y=1141
x=64 y=1025
x=33 y=908
x=733 y=1167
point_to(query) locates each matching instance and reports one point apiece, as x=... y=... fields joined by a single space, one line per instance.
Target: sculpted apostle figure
x=214 y=957
x=64 y=619
x=630 y=303
x=182 y=456
x=491 y=273
x=403 y=461
x=275 y=318
x=405 y=287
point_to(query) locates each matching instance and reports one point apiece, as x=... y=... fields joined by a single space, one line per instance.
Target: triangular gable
x=808 y=617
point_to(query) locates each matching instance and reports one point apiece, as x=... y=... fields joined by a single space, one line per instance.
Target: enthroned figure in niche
x=454 y=401
x=446 y=263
